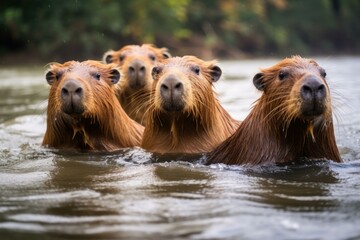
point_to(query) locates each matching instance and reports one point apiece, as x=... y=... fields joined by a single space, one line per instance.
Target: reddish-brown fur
x=135 y=99
x=276 y=130
x=202 y=124
x=103 y=125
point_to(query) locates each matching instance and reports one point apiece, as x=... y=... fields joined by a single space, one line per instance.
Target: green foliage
x=87 y=28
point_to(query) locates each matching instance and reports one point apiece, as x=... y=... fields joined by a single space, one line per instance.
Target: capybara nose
x=313 y=95
x=71 y=89
x=313 y=90
x=137 y=74
x=172 y=90
x=71 y=95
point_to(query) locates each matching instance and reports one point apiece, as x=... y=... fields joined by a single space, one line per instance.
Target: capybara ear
x=165 y=53
x=50 y=77
x=108 y=56
x=155 y=71
x=114 y=76
x=258 y=81
x=215 y=73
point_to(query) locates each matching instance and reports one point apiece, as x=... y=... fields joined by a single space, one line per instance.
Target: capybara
x=136 y=63
x=291 y=120
x=185 y=115
x=83 y=111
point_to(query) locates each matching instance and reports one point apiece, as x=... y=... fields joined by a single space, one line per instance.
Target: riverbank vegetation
x=54 y=30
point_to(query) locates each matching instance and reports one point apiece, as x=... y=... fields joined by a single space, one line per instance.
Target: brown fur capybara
x=185 y=115
x=291 y=120
x=136 y=63
x=83 y=111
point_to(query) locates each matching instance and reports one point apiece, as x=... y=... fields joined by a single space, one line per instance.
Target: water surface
x=135 y=194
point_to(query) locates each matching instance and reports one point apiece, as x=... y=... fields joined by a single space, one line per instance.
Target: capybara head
x=83 y=111
x=81 y=88
x=136 y=63
x=295 y=88
x=184 y=84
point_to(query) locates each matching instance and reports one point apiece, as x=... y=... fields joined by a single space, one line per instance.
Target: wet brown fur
x=103 y=126
x=136 y=102
x=275 y=131
x=201 y=125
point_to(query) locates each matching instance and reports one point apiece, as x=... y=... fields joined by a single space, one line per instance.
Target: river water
x=47 y=194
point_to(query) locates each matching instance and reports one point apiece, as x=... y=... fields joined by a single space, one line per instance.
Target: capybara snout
x=313 y=95
x=137 y=74
x=172 y=91
x=72 y=94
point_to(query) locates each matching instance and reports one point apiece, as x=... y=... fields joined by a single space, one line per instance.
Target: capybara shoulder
x=291 y=120
x=136 y=62
x=185 y=115
x=83 y=112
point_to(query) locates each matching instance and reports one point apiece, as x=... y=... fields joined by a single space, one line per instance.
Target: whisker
x=277 y=110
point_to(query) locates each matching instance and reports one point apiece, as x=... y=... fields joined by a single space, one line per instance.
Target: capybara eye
x=121 y=57
x=155 y=71
x=97 y=76
x=152 y=57
x=323 y=73
x=196 y=70
x=283 y=75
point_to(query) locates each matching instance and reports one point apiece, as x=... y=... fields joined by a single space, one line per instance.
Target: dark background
x=41 y=31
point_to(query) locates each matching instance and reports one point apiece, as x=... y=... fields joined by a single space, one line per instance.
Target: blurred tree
x=79 y=29
x=145 y=18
